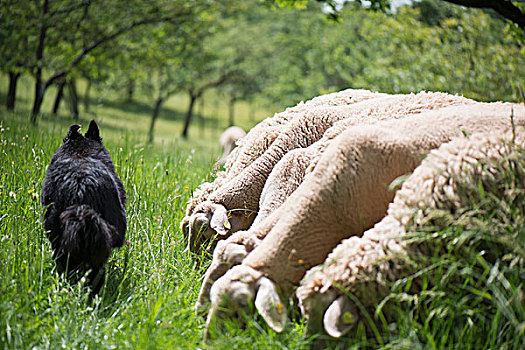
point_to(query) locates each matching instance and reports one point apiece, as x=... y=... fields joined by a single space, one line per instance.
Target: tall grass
x=467 y=300
x=152 y=283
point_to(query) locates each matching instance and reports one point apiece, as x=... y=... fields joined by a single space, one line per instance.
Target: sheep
x=343 y=196
x=229 y=140
x=364 y=265
x=228 y=204
x=225 y=210
x=289 y=172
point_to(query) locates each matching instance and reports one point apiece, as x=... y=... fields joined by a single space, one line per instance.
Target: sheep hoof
x=340 y=317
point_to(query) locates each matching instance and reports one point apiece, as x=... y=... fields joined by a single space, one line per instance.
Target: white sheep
x=229 y=140
x=364 y=265
x=289 y=172
x=229 y=203
x=349 y=183
x=231 y=207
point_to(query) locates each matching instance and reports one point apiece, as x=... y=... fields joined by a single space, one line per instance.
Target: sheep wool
x=241 y=190
x=347 y=191
x=289 y=172
x=363 y=265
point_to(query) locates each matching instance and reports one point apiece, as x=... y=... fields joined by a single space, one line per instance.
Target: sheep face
x=211 y=220
x=224 y=256
x=238 y=291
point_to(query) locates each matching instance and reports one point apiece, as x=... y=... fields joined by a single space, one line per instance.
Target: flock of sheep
x=304 y=204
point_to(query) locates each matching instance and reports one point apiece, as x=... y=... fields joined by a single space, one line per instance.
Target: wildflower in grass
x=12 y=194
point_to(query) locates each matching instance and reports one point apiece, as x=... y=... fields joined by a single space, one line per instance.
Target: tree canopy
x=276 y=52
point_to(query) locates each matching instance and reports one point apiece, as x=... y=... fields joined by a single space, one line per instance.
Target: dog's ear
x=73 y=133
x=93 y=132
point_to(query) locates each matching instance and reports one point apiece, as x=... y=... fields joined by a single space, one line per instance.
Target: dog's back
x=85 y=216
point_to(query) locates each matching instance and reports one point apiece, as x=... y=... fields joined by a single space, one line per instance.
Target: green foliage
x=461 y=51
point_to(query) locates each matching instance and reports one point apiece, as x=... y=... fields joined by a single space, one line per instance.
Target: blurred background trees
x=271 y=53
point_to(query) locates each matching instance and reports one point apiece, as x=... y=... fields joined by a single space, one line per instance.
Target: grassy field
x=152 y=283
x=110 y=108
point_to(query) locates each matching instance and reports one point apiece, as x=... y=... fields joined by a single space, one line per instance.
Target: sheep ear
x=185 y=227
x=269 y=305
x=219 y=220
x=340 y=317
x=93 y=132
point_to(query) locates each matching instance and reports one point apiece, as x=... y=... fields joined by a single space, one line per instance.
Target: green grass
x=110 y=108
x=152 y=283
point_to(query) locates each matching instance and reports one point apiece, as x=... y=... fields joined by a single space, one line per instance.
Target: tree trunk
x=130 y=90
x=40 y=87
x=231 y=121
x=58 y=98
x=86 y=96
x=40 y=90
x=73 y=97
x=189 y=114
x=201 y=116
x=11 y=93
x=154 y=116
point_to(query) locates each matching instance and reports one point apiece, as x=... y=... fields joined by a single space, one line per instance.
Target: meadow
x=152 y=283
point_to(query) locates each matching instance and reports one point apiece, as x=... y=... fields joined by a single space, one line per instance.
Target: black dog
x=85 y=217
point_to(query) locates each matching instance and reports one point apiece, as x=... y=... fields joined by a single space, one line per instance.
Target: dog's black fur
x=83 y=201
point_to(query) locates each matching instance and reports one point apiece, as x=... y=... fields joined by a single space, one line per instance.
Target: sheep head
x=212 y=221
x=338 y=314
x=225 y=255
x=238 y=290
x=208 y=220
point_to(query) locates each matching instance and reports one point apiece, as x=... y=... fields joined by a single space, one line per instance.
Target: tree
x=17 y=42
x=165 y=55
x=67 y=32
x=506 y=8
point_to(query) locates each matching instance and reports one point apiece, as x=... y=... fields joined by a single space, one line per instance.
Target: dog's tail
x=86 y=237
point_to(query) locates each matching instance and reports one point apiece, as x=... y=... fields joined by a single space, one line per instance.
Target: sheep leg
x=231 y=252
x=240 y=288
